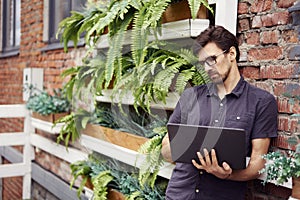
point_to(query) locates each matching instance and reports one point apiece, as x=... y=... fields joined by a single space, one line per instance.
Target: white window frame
x=226 y=14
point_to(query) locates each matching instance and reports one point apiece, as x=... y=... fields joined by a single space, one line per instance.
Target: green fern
x=113 y=61
x=150 y=167
x=155 y=9
x=100 y=183
x=195 y=6
x=183 y=77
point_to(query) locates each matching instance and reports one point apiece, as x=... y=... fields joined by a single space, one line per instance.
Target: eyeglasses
x=211 y=60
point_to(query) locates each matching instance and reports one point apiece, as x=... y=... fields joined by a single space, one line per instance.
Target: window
x=11 y=27
x=58 y=10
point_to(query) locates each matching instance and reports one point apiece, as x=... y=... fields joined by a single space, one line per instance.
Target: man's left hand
x=210 y=165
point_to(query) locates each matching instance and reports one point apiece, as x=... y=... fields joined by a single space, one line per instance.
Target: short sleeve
x=180 y=115
x=265 y=122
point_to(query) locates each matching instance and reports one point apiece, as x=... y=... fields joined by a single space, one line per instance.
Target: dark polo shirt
x=246 y=107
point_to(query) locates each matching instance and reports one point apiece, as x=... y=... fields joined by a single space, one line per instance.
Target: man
x=228 y=101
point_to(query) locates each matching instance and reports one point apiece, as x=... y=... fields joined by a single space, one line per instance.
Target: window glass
x=60 y=9
x=11 y=25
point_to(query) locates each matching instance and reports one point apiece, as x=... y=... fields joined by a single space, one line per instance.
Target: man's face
x=215 y=62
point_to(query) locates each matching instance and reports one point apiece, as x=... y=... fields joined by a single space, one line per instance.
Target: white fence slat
x=11 y=111
x=9 y=170
x=23 y=138
x=11 y=139
x=71 y=155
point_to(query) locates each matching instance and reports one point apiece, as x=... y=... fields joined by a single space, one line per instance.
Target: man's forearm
x=166 y=150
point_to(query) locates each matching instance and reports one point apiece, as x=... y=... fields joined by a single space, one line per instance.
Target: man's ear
x=232 y=53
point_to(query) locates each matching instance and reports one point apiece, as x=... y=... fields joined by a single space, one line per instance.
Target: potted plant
x=48 y=107
x=131 y=69
x=113 y=180
x=280 y=166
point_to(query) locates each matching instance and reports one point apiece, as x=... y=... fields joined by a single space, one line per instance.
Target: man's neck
x=228 y=85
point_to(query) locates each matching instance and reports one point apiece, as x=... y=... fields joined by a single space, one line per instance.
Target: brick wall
x=269 y=45
x=269 y=41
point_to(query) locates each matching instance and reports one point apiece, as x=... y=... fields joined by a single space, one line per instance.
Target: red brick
x=252 y=38
x=267 y=53
x=278 y=72
x=244 y=25
x=283 y=123
x=261 y=6
x=243 y=8
x=283 y=105
x=257 y=22
x=269 y=37
x=295 y=125
x=296 y=106
x=250 y=72
x=290 y=36
x=286 y=88
x=265 y=86
x=280 y=18
x=281 y=141
x=285 y=3
x=267 y=20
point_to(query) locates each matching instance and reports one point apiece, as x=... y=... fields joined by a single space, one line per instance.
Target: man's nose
x=207 y=67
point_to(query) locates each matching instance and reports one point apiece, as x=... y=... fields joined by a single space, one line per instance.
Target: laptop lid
x=187 y=140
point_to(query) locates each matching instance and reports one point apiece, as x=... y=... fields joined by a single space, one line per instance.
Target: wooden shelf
x=122 y=154
x=128 y=99
x=186 y=28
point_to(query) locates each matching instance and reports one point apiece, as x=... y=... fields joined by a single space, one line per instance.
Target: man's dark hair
x=220 y=36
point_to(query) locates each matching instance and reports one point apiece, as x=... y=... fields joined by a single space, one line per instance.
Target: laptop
x=187 y=140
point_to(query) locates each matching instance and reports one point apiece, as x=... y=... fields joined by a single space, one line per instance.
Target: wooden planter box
x=120 y=138
x=296 y=188
x=180 y=10
x=48 y=118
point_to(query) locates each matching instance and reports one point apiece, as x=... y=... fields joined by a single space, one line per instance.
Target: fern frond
x=139 y=37
x=69 y=28
x=195 y=6
x=164 y=78
x=101 y=22
x=149 y=169
x=183 y=77
x=114 y=53
x=154 y=12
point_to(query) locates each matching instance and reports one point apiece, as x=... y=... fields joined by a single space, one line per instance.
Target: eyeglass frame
x=214 y=59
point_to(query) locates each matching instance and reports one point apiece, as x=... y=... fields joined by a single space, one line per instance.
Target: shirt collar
x=237 y=91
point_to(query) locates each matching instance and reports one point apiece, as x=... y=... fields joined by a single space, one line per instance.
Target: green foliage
x=280 y=168
x=100 y=183
x=148 y=70
x=110 y=173
x=72 y=126
x=195 y=5
x=150 y=167
x=151 y=81
x=83 y=169
x=44 y=103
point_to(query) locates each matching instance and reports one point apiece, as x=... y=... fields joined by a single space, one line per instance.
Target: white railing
x=18 y=138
